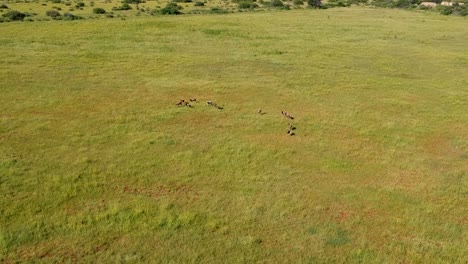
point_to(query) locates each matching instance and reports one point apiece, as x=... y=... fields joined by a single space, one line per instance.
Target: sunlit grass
x=98 y=164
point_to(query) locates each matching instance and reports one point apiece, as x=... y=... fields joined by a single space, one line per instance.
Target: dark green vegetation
x=171 y=9
x=97 y=164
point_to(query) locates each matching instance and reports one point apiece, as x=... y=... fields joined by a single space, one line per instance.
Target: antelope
x=181 y=102
x=193 y=100
x=286 y=114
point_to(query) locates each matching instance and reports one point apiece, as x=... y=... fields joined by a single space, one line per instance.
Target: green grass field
x=98 y=164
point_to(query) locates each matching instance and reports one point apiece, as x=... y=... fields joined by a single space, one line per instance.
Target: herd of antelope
x=186 y=103
x=285 y=114
x=290 y=126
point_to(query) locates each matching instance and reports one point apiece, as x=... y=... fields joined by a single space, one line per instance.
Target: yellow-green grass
x=97 y=164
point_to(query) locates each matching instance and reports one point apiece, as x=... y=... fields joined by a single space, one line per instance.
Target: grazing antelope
x=260 y=111
x=181 y=102
x=287 y=115
x=188 y=104
x=291 y=127
x=215 y=105
x=193 y=100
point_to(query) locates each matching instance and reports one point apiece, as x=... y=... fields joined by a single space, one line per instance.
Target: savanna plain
x=98 y=164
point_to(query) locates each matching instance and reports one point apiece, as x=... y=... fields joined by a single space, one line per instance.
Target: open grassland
x=97 y=164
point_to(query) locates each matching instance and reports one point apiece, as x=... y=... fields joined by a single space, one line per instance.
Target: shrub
x=56 y=1
x=171 y=9
x=14 y=15
x=218 y=10
x=68 y=16
x=356 y=2
x=133 y=1
x=182 y=1
x=402 y=3
x=335 y=3
x=247 y=5
x=446 y=10
x=463 y=12
x=3 y=6
x=314 y=3
x=298 y=2
x=424 y=7
x=53 y=13
x=99 y=10
x=383 y=3
x=276 y=3
x=80 y=4
x=124 y=6
x=199 y=3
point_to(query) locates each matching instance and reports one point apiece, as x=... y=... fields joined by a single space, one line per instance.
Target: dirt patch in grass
x=440 y=146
